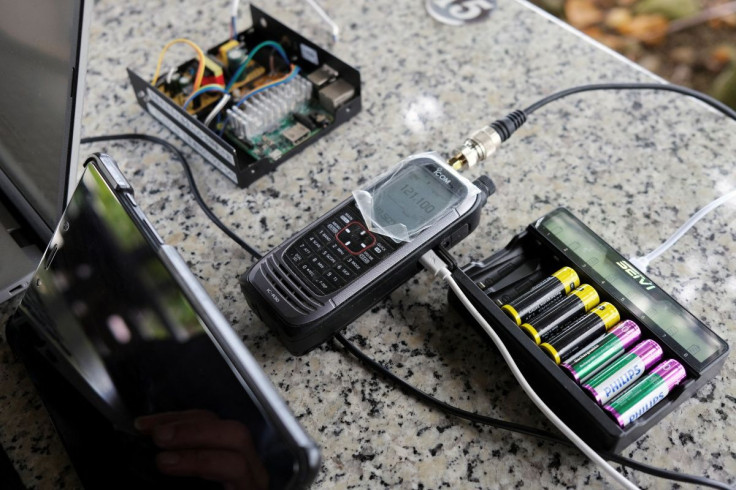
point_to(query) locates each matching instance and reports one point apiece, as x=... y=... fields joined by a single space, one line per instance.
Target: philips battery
x=623 y=372
x=645 y=394
x=599 y=354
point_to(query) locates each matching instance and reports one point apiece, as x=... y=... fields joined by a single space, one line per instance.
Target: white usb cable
x=433 y=263
x=234 y=6
x=321 y=12
x=642 y=263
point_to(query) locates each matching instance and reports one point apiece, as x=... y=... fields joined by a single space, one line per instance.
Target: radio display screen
x=414 y=198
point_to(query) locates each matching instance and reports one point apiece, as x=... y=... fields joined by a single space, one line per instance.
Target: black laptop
x=145 y=381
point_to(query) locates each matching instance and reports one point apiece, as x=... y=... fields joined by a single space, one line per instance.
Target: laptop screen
x=121 y=353
x=38 y=53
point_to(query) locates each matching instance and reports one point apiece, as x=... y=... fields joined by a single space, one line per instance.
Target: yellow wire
x=200 y=55
x=272 y=82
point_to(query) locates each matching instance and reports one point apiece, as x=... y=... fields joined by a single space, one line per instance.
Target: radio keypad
x=322 y=284
x=379 y=250
x=308 y=270
x=366 y=257
x=319 y=266
x=314 y=243
x=338 y=252
x=343 y=271
x=325 y=236
x=295 y=257
x=304 y=250
x=333 y=278
x=338 y=221
x=329 y=258
x=354 y=264
x=355 y=238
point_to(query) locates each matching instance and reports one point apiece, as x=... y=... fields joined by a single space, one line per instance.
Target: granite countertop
x=634 y=166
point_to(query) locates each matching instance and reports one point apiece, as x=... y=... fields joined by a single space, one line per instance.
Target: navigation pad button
x=355 y=238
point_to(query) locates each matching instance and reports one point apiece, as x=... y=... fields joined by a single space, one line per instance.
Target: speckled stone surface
x=634 y=166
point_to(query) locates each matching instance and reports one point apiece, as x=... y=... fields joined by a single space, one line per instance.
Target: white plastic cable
x=335 y=28
x=320 y=11
x=170 y=75
x=234 y=19
x=642 y=263
x=214 y=112
x=434 y=264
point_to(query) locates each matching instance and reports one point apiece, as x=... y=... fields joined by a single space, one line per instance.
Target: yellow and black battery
x=550 y=289
x=581 y=333
x=543 y=326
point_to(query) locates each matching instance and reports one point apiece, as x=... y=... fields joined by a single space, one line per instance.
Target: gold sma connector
x=479 y=146
x=458 y=162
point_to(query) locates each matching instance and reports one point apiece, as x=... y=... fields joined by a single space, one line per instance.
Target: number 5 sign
x=459 y=12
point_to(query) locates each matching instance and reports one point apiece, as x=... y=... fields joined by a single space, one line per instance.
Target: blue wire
x=252 y=53
x=200 y=92
x=294 y=73
x=291 y=76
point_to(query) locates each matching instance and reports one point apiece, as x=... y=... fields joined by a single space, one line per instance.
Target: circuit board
x=254 y=100
x=289 y=134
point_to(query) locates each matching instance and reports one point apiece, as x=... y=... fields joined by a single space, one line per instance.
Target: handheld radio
x=325 y=276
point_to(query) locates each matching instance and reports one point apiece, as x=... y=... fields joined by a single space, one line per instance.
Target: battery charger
x=560 y=239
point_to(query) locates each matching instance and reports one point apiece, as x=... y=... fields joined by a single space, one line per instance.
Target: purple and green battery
x=645 y=394
x=623 y=372
x=601 y=353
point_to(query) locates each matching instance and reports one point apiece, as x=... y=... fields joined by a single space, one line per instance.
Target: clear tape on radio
x=397 y=205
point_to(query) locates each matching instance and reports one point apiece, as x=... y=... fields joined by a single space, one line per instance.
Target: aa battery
x=623 y=372
x=578 y=302
x=599 y=354
x=646 y=393
x=582 y=332
x=554 y=287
